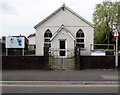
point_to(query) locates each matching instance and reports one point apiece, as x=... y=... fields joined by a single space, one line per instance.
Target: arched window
x=47 y=36
x=80 y=39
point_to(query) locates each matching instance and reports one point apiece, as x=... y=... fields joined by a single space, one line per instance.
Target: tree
x=3 y=38
x=105 y=14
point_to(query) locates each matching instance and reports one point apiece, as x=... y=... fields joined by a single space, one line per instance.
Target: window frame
x=47 y=36
x=80 y=36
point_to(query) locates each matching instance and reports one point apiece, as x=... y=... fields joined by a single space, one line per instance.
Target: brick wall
x=24 y=62
x=98 y=62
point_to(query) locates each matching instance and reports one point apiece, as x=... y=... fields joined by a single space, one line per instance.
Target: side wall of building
x=32 y=43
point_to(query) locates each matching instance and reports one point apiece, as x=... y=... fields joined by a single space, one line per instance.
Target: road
x=36 y=81
x=58 y=88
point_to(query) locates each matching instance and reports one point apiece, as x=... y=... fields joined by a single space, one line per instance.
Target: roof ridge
x=31 y=35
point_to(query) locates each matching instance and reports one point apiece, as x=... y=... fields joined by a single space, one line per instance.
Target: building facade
x=62 y=31
x=31 y=42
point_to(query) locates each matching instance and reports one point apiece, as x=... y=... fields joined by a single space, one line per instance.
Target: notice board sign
x=15 y=42
x=98 y=53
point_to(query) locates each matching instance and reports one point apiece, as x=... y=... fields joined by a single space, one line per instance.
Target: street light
x=116 y=30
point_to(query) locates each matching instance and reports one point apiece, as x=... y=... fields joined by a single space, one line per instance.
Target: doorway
x=62 y=48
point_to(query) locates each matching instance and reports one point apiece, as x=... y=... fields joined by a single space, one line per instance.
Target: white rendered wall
x=71 y=22
x=31 y=40
x=69 y=43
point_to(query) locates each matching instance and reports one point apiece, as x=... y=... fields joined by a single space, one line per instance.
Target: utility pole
x=116 y=58
x=116 y=30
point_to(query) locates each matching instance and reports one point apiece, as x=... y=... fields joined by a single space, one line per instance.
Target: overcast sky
x=20 y=16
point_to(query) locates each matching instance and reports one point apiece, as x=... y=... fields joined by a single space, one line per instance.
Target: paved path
x=60 y=75
x=63 y=64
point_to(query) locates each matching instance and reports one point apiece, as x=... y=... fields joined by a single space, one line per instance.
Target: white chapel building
x=62 y=31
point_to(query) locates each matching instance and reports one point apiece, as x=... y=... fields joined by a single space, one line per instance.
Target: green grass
x=51 y=61
x=72 y=63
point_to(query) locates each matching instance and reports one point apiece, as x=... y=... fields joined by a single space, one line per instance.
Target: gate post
x=46 y=58
x=77 y=58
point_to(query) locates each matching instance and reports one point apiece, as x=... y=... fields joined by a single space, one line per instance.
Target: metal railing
x=103 y=47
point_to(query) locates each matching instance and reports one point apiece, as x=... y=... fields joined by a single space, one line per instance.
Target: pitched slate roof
x=31 y=35
x=62 y=27
x=63 y=7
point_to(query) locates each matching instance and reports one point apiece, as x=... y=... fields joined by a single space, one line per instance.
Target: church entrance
x=62 y=48
x=61 y=59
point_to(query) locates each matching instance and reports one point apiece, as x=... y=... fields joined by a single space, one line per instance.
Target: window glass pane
x=80 y=33
x=47 y=40
x=80 y=45
x=48 y=33
x=62 y=44
x=62 y=53
x=80 y=40
x=47 y=45
x=77 y=45
x=47 y=37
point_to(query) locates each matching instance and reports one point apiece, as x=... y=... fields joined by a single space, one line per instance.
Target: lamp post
x=116 y=58
x=116 y=31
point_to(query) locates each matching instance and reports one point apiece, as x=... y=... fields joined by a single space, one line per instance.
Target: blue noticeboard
x=15 y=42
x=98 y=53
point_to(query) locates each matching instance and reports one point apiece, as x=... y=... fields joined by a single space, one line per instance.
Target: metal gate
x=58 y=62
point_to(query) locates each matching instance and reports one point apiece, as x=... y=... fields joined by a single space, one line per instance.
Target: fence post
x=77 y=58
x=46 y=58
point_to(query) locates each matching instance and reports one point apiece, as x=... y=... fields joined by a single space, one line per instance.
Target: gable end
x=63 y=7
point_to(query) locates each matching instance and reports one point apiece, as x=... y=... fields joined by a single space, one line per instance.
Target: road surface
x=60 y=87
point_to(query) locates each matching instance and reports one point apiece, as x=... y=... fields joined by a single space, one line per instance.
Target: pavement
x=55 y=80
x=60 y=75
